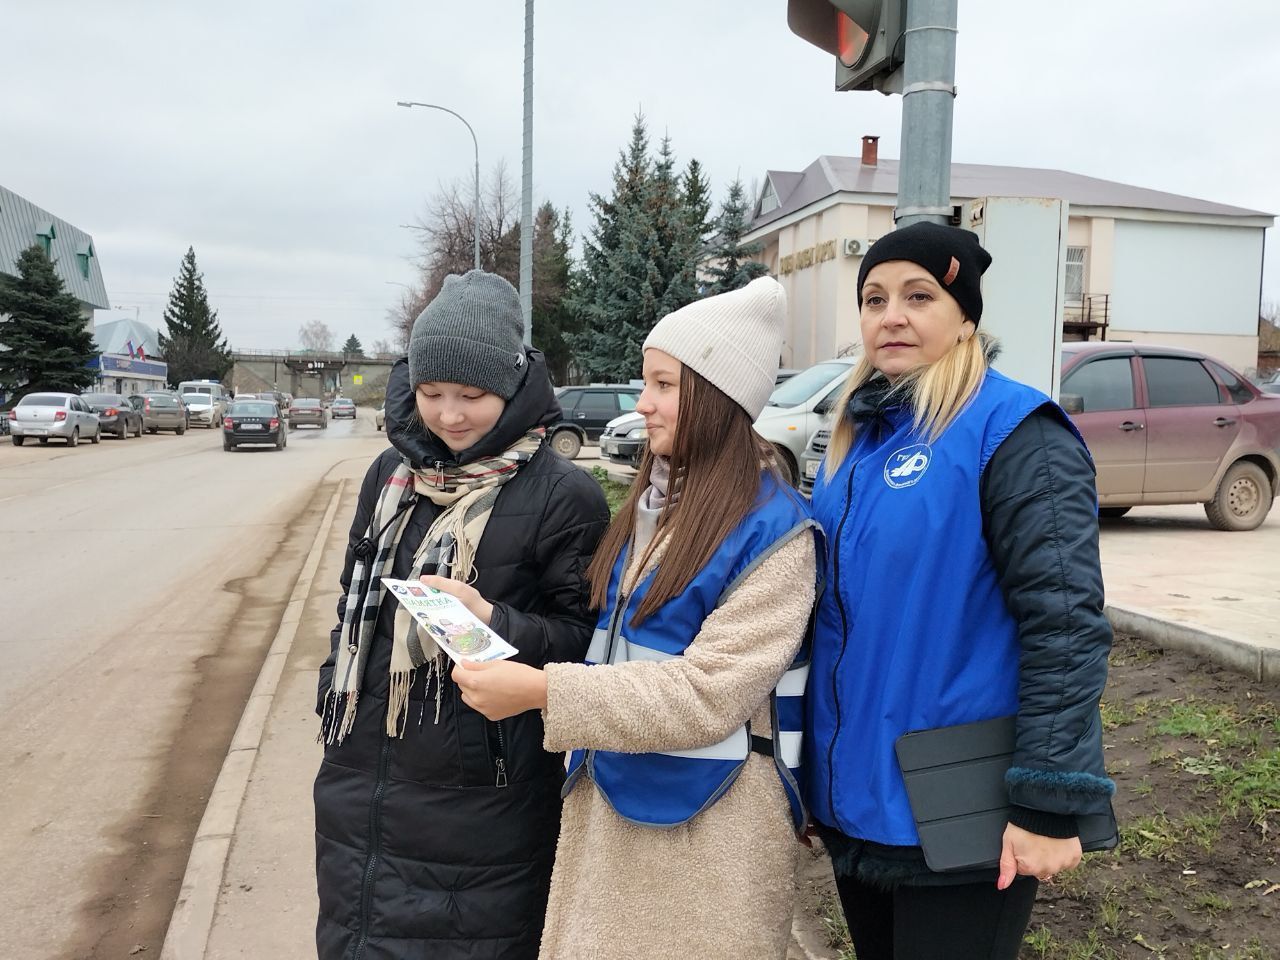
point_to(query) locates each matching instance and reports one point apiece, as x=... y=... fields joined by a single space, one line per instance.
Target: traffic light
x=865 y=37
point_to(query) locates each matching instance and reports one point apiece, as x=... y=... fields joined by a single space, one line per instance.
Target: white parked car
x=798 y=407
x=49 y=415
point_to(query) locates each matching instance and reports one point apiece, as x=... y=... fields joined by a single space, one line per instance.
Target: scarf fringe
x=337 y=705
x=398 y=701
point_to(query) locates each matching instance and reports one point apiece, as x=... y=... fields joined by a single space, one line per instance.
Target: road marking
x=192 y=920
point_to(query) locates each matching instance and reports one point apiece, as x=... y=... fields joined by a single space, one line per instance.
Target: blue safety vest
x=670 y=788
x=912 y=631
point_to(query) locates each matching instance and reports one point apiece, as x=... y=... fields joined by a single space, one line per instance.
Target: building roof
x=111 y=336
x=829 y=175
x=22 y=223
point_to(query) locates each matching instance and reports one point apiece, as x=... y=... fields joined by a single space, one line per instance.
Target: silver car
x=48 y=415
x=203 y=409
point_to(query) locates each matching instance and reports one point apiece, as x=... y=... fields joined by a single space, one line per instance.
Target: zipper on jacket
x=375 y=847
x=844 y=643
x=500 y=758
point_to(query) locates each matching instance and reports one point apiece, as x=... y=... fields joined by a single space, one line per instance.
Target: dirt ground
x=1195 y=754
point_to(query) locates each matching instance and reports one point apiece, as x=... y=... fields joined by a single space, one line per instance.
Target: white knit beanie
x=733 y=339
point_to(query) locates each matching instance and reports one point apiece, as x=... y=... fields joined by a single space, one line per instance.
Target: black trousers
x=971 y=921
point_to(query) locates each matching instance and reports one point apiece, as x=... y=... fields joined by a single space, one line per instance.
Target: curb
x=1229 y=651
x=193 y=913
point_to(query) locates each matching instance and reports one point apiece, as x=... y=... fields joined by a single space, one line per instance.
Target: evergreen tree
x=554 y=323
x=730 y=261
x=49 y=343
x=193 y=345
x=353 y=347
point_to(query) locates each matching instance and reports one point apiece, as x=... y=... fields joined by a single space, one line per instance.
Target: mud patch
x=137 y=889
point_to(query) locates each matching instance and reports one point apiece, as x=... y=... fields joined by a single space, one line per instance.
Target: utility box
x=1022 y=291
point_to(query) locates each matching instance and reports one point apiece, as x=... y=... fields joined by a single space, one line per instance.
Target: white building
x=1141 y=265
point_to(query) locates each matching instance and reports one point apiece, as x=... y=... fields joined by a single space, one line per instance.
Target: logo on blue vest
x=905 y=467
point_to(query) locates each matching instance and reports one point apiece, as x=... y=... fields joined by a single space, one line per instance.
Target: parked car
x=585 y=412
x=275 y=396
x=342 y=407
x=798 y=407
x=203 y=410
x=307 y=410
x=45 y=416
x=254 y=421
x=623 y=439
x=161 y=410
x=1269 y=383
x=1167 y=425
x=116 y=415
x=811 y=459
x=380 y=417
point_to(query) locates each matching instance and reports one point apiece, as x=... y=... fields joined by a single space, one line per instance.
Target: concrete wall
x=257 y=374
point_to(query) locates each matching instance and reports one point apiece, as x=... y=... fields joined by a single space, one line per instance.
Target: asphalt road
x=141 y=581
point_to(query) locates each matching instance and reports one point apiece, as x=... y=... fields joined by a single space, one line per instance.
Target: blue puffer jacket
x=963 y=584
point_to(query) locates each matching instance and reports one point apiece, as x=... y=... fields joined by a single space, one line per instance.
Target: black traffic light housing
x=865 y=37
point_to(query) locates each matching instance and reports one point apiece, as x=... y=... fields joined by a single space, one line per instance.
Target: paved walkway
x=1167 y=573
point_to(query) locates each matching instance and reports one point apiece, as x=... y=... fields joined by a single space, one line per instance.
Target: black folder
x=955 y=784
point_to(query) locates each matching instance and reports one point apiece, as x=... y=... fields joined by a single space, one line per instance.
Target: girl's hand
x=1035 y=856
x=468 y=594
x=500 y=688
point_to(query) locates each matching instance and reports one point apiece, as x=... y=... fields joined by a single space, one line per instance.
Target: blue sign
x=129 y=367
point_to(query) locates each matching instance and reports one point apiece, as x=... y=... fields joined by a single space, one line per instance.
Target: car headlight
x=639 y=433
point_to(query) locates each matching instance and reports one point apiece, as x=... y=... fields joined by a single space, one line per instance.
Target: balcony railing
x=1087 y=318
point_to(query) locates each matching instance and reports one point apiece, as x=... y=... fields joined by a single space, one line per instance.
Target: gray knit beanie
x=471 y=333
x=733 y=339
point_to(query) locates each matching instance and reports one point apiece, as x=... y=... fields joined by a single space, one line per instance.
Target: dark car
x=585 y=412
x=254 y=421
x=307 y=410
x=116 y=414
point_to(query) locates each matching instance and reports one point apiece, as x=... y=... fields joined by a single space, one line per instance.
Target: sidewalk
x=1169 y=577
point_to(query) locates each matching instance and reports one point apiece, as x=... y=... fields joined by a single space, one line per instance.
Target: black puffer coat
x=441 y=844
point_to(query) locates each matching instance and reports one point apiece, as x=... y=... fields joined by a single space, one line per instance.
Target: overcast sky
x=266 y=134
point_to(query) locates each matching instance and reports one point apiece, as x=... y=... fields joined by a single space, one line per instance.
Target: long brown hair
x=716 y=463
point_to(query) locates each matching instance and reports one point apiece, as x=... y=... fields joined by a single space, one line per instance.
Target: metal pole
x=475 y=209
x=526 y=192
x=928 y=100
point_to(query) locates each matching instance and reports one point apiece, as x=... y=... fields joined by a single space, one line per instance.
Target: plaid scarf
x=467 y=493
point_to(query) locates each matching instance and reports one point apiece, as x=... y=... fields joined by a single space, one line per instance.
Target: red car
x=1173 y=426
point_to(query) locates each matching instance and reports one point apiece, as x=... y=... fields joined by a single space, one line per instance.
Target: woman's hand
x=468 y=594
x=1035 y=856
x=500 y=688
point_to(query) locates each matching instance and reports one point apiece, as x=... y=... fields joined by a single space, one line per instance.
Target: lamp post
x=475 y=212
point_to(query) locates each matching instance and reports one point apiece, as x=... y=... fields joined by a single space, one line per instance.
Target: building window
x=84 y=256
x=47 y=234
x=1075 y=274
x=769 y=198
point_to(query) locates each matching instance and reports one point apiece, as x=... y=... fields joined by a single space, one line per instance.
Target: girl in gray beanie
x=436 y=828
x=678 y=833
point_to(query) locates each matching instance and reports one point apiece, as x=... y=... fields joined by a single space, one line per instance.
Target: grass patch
x=1215 y=724
x=1254 y=785
x=614 y=492
x=837 y=931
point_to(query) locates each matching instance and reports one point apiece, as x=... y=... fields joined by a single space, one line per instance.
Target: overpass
x=309 y=373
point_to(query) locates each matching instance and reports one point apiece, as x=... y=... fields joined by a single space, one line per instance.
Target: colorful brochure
x=456 y=630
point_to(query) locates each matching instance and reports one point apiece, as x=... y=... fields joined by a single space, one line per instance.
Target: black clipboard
x=955 y=784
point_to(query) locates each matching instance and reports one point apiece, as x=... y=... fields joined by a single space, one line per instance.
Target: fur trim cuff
x=1065 y=784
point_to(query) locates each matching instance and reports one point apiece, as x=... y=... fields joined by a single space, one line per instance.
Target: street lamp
x=475 y=214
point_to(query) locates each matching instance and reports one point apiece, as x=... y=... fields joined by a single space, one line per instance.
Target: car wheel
x=74 y=439
x=786 y=464
x=44 y=441
x=97 y=436
x=1112 y=513
x=566 y=443
x=1243 y=498
x=138 y=433
x=181 y=430
x=226 y=445
x=122 y=433
x=152 y=430
x=19 y=441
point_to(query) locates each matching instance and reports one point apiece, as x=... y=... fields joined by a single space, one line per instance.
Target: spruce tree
x=49 y=344
x=730 y=261
x=192 y=344
x=353 y=347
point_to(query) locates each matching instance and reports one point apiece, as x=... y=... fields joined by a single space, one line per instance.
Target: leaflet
x=456 y=630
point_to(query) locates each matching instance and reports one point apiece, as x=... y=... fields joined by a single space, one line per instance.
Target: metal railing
x=269 y=354
x=1089 y=315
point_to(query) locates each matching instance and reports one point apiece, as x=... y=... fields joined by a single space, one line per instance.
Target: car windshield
x=805 y=384
x=306 y=403
x=160 y=400
x=193 y=398
x=342 y=403
x=42 y=400
x=102 y=398
x=253 y=410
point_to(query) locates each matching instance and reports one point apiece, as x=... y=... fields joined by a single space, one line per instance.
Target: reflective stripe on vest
x=671 y=787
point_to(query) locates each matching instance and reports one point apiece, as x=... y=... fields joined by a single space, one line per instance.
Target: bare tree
x=382 y=348
x=316 y=335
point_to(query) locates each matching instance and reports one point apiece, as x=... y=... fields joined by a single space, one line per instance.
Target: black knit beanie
x=953 y=256
x=471 y=333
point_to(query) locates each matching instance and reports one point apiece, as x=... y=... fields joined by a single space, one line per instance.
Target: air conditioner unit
x=855 y=248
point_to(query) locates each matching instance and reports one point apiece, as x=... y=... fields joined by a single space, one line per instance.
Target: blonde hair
x=937 y=392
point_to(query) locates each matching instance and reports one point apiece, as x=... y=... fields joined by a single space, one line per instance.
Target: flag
x=142 y=354
x=128 y=345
